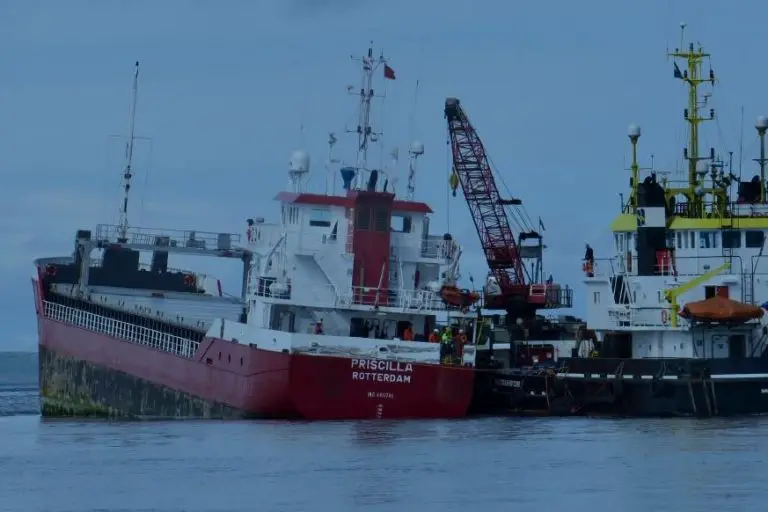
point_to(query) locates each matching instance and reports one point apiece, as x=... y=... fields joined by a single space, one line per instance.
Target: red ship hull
x=88 y=373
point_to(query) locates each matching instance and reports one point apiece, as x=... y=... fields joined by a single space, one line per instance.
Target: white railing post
x=133 y=333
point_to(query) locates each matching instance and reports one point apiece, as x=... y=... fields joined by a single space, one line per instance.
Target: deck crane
x=519 y=291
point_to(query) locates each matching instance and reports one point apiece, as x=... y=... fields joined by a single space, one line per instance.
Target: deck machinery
x=515 y=264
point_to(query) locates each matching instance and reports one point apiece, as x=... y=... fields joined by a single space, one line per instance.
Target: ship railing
x=551 y=296
x=169 y=237
x=133 y=333
x=329 y=296
x=708 y=210
x=601 y=267
x=435 y=247
x=396 y=298
x=678 y=266
x=264 y=234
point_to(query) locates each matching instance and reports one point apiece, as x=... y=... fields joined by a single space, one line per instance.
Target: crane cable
x=449 y=165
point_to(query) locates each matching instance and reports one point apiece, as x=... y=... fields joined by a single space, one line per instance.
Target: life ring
x=189 y=280
x=50 y=269
x=664 y=316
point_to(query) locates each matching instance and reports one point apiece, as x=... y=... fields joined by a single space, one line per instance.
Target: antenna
x=128 y=171
x=415 y=151
x=741 y=141
x=692 y=58
x=364 y=130
x=331 y=142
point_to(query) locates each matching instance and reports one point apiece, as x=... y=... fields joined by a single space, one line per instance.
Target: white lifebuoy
x=664 y=316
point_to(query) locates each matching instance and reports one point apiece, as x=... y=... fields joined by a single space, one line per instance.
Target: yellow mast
x=634 y=135
x=692 y=76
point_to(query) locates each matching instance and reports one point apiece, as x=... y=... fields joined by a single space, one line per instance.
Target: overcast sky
x=227 y=85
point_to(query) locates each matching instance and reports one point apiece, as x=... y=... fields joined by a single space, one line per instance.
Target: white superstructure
x=680 y=242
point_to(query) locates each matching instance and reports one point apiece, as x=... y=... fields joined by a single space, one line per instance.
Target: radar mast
x=364 y=130
x=695 y=114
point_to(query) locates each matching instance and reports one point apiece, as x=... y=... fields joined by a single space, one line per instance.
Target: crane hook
x=454 y=181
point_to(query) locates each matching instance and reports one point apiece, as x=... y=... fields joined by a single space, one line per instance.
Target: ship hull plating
x=634 y=388
x=84 y=373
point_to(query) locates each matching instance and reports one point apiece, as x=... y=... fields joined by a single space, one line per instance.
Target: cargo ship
x=333 y=321
x=676 y=316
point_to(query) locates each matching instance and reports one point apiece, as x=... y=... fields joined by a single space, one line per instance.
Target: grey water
x=470 y=465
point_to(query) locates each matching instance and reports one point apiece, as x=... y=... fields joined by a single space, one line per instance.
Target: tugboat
x=338 y=301
x=679 y=310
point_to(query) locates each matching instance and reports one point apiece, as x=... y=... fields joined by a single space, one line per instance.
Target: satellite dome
x=299 y=161
x=761 y=123
x=634 y=131
x=417 y=148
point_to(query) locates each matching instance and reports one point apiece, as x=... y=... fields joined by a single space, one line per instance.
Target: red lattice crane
x=519 y=289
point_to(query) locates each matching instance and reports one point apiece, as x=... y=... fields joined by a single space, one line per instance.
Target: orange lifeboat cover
x=460 y=298
x=720 y=309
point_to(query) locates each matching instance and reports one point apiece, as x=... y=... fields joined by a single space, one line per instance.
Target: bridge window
x=679 y=240
x=754 y=239
x=731 y=239
x=708 y=240
x=401 y=223
x=290 y=214
x=320 y=218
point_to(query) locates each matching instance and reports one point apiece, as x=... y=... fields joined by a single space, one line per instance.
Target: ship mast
x=364 y=130
x=128 y=170
x=692 y=59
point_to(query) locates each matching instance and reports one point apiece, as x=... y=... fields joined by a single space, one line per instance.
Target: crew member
x=319 y=327
x=461 y=340
x=408 y=334
x=446 y=344
x=434 y=336
x=589 y=261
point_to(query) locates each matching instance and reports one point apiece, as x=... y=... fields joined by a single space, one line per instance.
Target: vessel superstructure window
x=708 y=240
x=334 y=231
x=754 y=239
x=731 y=239
x=401 y=223
x=363 y=220
x=320 y=218
x=693 y=239
x=596 y=297
x=381 y=221
x=679 y=237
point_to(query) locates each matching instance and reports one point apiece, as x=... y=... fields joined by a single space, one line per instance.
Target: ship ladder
x=707 y=390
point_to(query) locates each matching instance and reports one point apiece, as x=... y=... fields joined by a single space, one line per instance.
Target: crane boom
x=519 y=291
x=471 y=166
